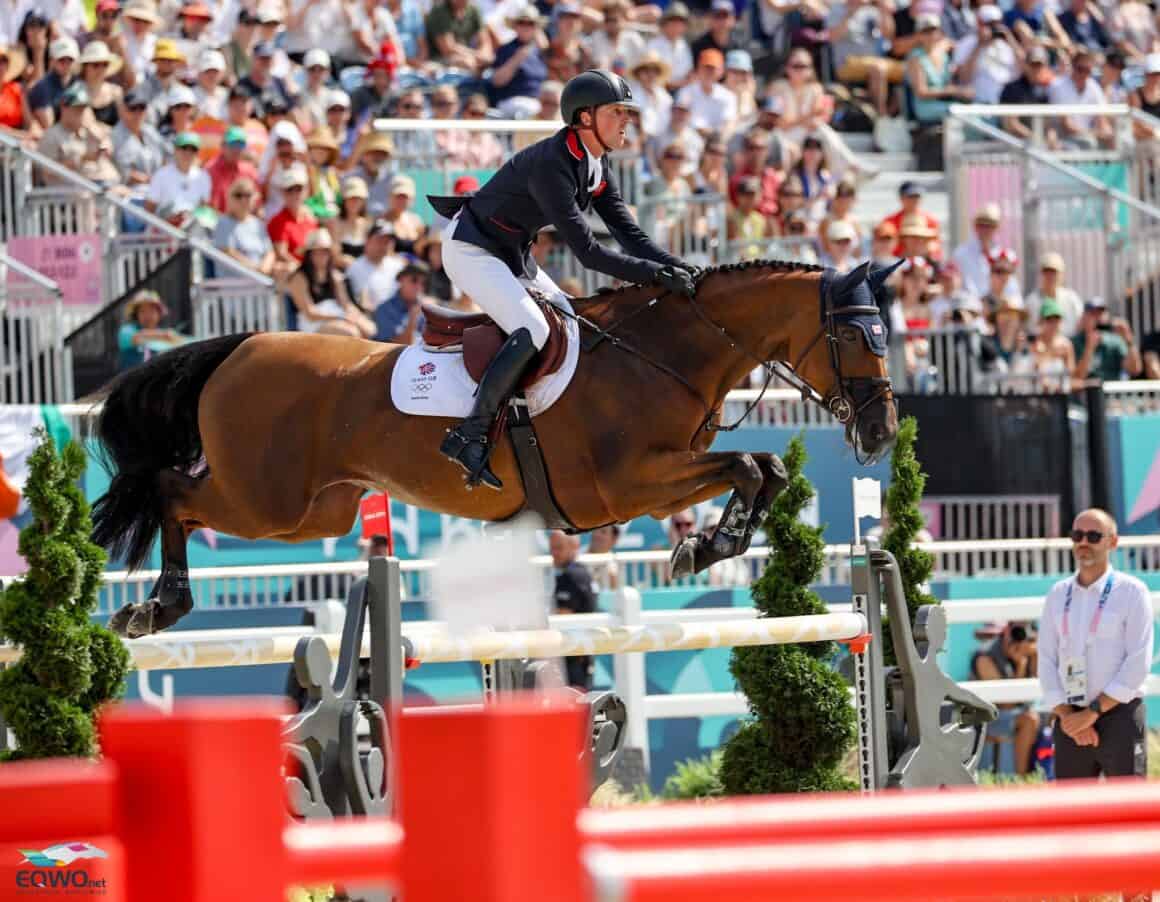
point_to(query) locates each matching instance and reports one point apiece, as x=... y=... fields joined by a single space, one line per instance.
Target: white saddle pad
x=435 y=383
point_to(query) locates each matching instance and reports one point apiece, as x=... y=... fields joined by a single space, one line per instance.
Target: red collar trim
x=572 y=142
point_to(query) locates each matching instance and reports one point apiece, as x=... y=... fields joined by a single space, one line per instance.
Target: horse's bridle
x=842 y=402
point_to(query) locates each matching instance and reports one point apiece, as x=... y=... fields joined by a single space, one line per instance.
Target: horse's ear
x=878 y=277
x=845 y=284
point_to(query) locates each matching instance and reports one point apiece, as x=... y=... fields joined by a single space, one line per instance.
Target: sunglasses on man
x=1093 y=536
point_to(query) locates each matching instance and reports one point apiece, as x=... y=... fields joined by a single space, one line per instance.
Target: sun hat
x=140 y=299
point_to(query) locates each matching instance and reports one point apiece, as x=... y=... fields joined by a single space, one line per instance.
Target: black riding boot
x=467 y=444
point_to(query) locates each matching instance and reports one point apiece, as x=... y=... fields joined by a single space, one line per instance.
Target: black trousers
x=1122 y=752
x=579 y=669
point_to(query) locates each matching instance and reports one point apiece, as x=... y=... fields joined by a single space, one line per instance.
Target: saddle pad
x=435 y=383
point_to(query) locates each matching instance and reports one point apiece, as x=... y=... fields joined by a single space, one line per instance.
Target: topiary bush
x=804 y=722
x=70 y=666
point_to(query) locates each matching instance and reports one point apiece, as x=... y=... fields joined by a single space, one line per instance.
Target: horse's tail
x=149 y=424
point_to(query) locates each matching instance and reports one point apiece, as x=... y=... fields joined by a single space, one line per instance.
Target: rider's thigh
x=488 y=281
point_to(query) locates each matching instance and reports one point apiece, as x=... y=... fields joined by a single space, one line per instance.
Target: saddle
x=481 y=339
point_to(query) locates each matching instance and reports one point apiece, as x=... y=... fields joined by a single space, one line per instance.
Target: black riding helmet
x=592 y=89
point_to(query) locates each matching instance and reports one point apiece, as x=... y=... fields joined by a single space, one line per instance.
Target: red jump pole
x=944 y=812
x=488 y=800
x=960 y=867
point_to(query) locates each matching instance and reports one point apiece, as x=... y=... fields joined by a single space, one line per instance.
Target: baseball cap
x=989 y=213
x=1053 y=261
x=108 y=6
x=211 y=61
x=722 y=6
x=1095 y=303
x=75 y=94
x=295 y=176
x=989 y=14
x=773 y=104
x=1152 y=64
x=1004 y=259
x=180 y=94
x=465 y=183
x=739 y=61
x=63 y=48
x=711 y=56
x=269 y=14
x=187 y=139
x=337 y=98
x=1038 y=54
x=264 y=49
x=926 y=21
x=381 y=227
x=675 y=10
x=167 y=50
x=414 y=268
x=354 y=187
x=235 y=135
x=910 y=189
x=840 y=230
x=1050 y=309
x=316 y=57
x=751 y=184
x=195 y=10
x=136 y=98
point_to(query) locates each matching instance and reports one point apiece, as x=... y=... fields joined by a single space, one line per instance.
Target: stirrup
x=457 y=446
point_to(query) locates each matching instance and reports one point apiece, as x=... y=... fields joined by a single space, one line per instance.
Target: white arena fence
x=273 y=585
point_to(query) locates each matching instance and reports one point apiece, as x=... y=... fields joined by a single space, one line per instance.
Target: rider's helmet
x=591 y=89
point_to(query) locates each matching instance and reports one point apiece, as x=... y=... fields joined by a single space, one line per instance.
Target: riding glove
x=676 y=280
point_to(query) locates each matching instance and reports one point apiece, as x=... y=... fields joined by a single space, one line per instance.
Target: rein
x=837 y=403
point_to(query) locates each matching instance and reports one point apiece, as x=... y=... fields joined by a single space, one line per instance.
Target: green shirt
x=464 y=28
x=1108 y=361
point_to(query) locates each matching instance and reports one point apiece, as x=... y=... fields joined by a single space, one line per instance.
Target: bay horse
x=278 y=435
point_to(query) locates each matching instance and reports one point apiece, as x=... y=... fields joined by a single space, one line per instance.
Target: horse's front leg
x=774 y=479
x=734 y=530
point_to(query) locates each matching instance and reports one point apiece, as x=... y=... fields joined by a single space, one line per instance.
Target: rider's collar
x=595 y=168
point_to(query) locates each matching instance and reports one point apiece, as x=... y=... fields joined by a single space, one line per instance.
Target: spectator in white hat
x=98 y=66
x=210 y=95
x=680 y=131
x=180 y=112
x=990 y=59
x=672 y=45
x=648 y=79
x=973 y=257
x=1052 y=288
x=139 y=38
x=337 y=118
x=291 y=225
x=319 y=293
x=44 y=97
x=842 y=241
x=520 y=68
x=316 y=91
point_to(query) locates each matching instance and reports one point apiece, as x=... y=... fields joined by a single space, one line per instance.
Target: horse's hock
x=916 y=726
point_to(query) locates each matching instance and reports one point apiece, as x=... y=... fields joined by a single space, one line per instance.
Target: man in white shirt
x=1084 y=132
x=712 y=105
x=990 y=59
x=373 y=276
x=672 y=45
x=180 y=187
x=615 y=44
x=1051 y=287
x=1095 y=652
x=973 y=257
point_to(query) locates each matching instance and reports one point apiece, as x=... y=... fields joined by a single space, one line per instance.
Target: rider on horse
x=486 y=244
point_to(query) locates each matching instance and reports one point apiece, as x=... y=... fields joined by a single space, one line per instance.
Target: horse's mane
x=626 y=294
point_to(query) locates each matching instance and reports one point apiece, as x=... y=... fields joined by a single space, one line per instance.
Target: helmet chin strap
x=595 y=130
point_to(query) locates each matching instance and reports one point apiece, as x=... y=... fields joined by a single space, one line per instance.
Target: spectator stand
x=35 y=364
x=1078 y=203
x=226 y=296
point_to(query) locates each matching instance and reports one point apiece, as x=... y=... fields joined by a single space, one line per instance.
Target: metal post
x=1111 y=253
x=1097 y=433
x=628 y=676
x=869 y=677
x=1030 y=217
x=384 y=582
x=952 y=154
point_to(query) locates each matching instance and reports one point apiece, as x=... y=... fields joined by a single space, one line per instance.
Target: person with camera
x=1095 y=652
x=1105 y=348
x=990 y=60
x=1011 y=655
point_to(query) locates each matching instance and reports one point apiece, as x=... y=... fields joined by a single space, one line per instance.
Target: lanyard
x=1099 y=610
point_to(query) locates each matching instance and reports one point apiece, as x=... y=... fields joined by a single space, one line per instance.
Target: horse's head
x=845 y=362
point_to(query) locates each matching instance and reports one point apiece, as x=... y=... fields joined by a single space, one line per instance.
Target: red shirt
x=11 y=105
x=222 y=174
x=771 y=181
x=284 y=227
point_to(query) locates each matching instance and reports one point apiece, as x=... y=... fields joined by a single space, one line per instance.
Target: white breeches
x=504 y=297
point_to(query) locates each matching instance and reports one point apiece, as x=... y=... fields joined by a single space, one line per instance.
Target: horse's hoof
x=682 y=563
x=119 y=622
x=141 y=623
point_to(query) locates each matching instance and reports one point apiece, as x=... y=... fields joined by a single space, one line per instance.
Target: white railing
x=224 y=306
x=35 y=365
x=272 y=585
